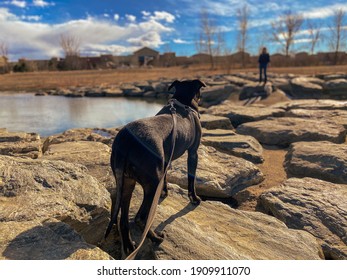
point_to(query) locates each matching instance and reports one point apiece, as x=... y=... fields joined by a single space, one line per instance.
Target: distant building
x=3 y=64
x=146 y=56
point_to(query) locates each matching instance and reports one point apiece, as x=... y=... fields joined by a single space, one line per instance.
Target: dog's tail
x=118 y=172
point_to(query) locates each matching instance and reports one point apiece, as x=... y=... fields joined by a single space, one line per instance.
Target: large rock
x=215 y=122
x=237 y=80
x=243 y=146
x=45 y=240
x=94 y=155
x=284 y=131
x=20 y=144
x=336 y=88
x=322 y=160
x=215 y=231
x=310 y=104
x=213 y=95
x=313 y=205
x=242 y=114
x=41 y=189
x=254 y=90
x=103 y=135
x=336 y=116
x=306 y=87
x=218 y=174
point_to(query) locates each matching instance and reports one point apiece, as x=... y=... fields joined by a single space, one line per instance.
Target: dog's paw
x=164 y=194
x=194 y=199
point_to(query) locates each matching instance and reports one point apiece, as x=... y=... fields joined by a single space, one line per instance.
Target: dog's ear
x=199 y=84
x=174 y=84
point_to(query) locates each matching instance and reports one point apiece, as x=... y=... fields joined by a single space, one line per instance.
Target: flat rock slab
x=213 y=95
x=46 y=240
x=20 y=144
x=215 y=231
x=306 y=87
x=313 y=205
x=242 y=114
x=103 y=135
x=252 y=90
x=336 y=116
x=312 y=104
x=284 y=131
x=238 y=145
x=94 y=155
x=321 y=160
x=215 y=122
x=336 y=88
x=41 y=189
x=218 y=174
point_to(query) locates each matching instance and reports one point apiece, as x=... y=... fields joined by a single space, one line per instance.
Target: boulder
x=306 y=88
x=242 y=114
x=322 y=160
x=215 y=231
x=315 y=206
x=336 y=116
x=243 y=146
x=323 y=104
x=282 y=84
x=215 y=122
x=45 y=240
x=94 y=92
x=113 y=92
x=255 y=90
x=336 y=88
x=132 y=91
x=213 y=95
x=284 y=131
x=41 y=189
x=20 y=144
x=240 y=82
x=94 y=155
x=218 y=174
x=103 y=135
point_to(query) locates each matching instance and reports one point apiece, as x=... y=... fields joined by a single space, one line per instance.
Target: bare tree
x=314 y=31
x=4 y=55
x=242 y=18
x=207 y=36
x=71 y=47
x=337 y=38
x=285 y=29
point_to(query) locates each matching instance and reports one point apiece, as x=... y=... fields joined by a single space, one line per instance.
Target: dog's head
x=188 y=92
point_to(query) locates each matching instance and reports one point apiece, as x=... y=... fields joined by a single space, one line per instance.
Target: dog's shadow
x=188 y=208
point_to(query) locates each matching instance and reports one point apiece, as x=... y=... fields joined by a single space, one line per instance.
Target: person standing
x=263 y=60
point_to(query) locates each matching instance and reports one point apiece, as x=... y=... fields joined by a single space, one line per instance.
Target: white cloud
x=33 y=39
x=116 y=17
x=31 y=18
x=180 y=41
x=17 y=3
x=106 y=15
x=42 y=3
x=130 y=18
x=324 y=12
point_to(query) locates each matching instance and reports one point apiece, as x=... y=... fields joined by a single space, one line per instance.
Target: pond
x=48 y=115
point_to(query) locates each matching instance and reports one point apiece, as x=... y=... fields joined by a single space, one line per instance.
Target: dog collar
x=174 y=101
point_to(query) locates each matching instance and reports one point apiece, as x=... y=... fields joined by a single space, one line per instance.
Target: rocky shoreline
x=55 y=192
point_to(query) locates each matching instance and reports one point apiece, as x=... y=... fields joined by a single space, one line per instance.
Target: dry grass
x=48 y=80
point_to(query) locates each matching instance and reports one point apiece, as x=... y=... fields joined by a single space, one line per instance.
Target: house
x=145 y=57
x=3 y=65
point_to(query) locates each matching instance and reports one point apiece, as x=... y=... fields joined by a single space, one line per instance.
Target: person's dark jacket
x=264 y=58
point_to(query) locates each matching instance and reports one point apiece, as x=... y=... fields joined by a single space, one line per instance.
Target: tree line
x=284 y=33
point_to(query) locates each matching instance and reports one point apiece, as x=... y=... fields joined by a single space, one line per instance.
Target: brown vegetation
x=32 y=81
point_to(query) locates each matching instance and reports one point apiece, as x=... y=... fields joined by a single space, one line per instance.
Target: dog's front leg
x=192 y=165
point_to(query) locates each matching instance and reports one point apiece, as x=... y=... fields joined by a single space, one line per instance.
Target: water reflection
x=48 y=115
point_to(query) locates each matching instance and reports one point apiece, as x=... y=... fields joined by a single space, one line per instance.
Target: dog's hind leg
x=127 y=244
x=164 y=192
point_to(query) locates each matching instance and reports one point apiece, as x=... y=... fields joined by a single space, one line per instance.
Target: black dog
x=141 y=151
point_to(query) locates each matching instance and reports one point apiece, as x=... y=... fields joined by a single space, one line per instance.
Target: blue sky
x=31 y=28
